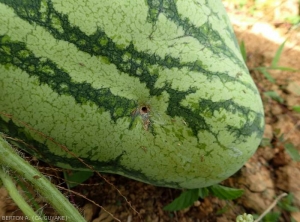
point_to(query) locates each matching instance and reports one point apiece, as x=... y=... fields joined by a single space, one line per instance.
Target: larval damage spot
x=144 y=112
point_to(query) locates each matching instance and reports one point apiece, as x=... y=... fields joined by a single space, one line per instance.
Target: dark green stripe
x=250 y=127
x=194 y=120
x=60 y=82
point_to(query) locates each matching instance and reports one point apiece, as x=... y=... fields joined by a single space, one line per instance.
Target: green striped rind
x=82 y=72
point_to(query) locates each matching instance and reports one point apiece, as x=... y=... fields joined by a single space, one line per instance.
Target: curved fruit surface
x=153 y=90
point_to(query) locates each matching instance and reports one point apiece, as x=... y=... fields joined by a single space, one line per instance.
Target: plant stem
x=12 y=160
x=17 y=197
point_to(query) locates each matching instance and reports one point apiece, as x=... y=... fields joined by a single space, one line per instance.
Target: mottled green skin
x=153 y=90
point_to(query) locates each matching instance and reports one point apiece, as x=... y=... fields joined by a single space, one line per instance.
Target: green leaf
x=293 y=19
x=287 y=203
x=277 y=55
x=186 y=199
x=243 y=51
x=265 y=72
x=265 y=142
x=282 y=68
x=292 y=151
x=225 y=193
x=281 y=137
x=223 y=209
x=203 y=192
x=271 y=217
x=277 y=132
x=76 y=177
x=296 y=109
x=273 y=95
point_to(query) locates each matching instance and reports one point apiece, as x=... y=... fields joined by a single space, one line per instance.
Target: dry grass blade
x=271 y=207
x=93 y=202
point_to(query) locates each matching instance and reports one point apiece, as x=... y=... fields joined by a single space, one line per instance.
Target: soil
x=269 y=173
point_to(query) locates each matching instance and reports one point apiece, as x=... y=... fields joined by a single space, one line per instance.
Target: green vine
x=10 y=160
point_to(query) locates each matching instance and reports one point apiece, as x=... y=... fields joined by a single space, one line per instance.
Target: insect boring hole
x=144 y=109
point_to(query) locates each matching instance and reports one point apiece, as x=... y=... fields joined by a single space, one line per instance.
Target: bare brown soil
x=270 y=172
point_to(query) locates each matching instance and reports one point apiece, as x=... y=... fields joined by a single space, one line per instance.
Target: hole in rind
x=144 y=109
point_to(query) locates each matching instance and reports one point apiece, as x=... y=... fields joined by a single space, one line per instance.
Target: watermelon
x=153 y=90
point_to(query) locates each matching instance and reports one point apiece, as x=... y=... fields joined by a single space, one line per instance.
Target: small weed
x=188 y=197
x=289 y=147
x=293 y=19
x=274 y=95
x=272 y=216
x=292 y=151
x=296 y=109
x=287 y=203
x=274 y=64
x=265 y=142
x=243 y=51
